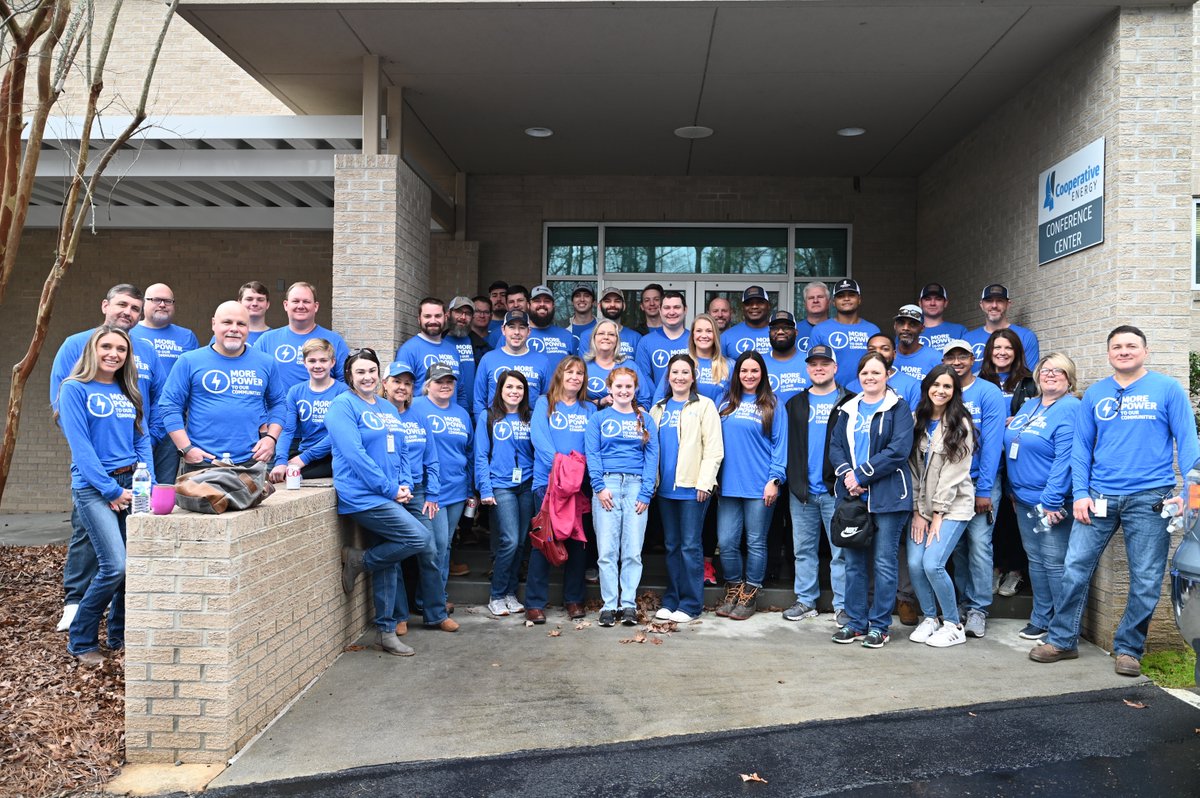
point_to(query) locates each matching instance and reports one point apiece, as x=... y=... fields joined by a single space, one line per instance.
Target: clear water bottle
x=1043 y=523
x=141 y=490
x=227 y=458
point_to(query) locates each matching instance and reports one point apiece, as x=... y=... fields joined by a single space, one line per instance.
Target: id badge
x=1101 y=508
x=391 y=443
x=1013 y=448
x=517 y=475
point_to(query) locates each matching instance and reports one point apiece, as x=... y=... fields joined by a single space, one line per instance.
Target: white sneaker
x=1010 y=584
x=663 y=614
x=64 y=623
x=951 y=634
x=513 y=605
x=498 y=607
x=679 y=616
x=924 y=630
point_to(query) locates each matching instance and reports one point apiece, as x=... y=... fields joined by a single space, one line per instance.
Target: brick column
x=455 y=268
x=380 y=250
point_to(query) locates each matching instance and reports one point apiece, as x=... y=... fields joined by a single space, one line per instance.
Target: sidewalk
x=497 y=687
x=34 y=529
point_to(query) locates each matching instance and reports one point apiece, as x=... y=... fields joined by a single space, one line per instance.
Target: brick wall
x=454 y=269
x=203 y=267
x=977 y=217
x=230 y=617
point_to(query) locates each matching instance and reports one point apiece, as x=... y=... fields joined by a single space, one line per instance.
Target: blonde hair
x=720 y=364
x=126 y=377
x=1061 y=361
x=315 y=345
x=590 y=355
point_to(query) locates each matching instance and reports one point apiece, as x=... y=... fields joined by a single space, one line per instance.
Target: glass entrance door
x=632 y=289
x=732 y=290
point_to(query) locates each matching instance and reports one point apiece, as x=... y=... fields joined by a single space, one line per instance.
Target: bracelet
x=272 y=437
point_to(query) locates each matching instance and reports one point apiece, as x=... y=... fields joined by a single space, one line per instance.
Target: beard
x=783 y=345
x=541 y=318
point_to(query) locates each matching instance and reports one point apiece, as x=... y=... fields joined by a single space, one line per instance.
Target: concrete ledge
x=228 y=618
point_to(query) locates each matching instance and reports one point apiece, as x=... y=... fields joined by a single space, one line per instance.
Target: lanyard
x=1041 y=407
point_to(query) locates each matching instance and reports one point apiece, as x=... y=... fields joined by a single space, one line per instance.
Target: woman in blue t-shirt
x=373 y=482
x=559 y=426
x=622 y=457
x=504 y=479
x=754 y=426
x=1037 y=456
x=690 y=453
x=100 y=411
x=602 y=355
x=869 y=450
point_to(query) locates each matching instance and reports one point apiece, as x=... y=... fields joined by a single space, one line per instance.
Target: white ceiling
x=613 y=80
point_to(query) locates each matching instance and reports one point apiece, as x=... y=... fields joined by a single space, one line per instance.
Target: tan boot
x=746 y=603
x=732 y=591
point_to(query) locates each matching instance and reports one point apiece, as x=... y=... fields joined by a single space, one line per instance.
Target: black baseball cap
x=583 y=289
x=516 y=317
x=934 y=289
x=994 y=291
x=821 y=350
x=783 y=317
x=847 y=285
x=753 y=293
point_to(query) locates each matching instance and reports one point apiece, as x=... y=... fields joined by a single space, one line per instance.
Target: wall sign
x=1071 y=204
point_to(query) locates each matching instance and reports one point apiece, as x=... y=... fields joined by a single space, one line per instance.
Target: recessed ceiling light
x=850 y=132
x=693 y=132
x=539 y=132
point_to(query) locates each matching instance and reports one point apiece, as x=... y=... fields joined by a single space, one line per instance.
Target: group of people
x=600 y=426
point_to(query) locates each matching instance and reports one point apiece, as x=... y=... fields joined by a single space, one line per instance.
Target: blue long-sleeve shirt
x=615 y=445
x=626 y=345
x=465 y=389
x=988 y=411
x=742 y=338
x=370 y=460
x=919 y=363
x=655 y=350
x=563 y=431
x=453 y=437
x=169 y=342
x=848 y=341
x=532 y=364
x=97 y=420
x=554 y=342
x=752 y=458
x=1124 y=437
x=787 y=377
x=705 y=385
x=422 y=453
x=597 y=382
x=419 y=354
x=225 y=399
x=304 y=417
x=284 y=347
x=503 y=452
x=152 y=376
x=1041 y=472
x=978 y=339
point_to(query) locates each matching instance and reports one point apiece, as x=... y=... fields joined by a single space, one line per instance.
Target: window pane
x=695 y=250
x=563 y=289
x=821 y=252
x=572 y=250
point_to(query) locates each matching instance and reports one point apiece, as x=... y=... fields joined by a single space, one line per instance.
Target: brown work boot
x=746 y=603
x=575 y=611
x=907 y=612
x=1127 y=665
x=1048 y=653
x=732 y=591
x=460 y=569
x=535 y=615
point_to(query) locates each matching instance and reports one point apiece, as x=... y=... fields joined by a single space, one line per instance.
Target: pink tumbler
x=162 y=499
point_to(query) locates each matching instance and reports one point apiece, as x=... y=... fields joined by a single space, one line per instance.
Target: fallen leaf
x=657 y=641
x=640 y=637
x=972 y=714
x=781 y=681
x=579 y=627
x=753 y=777
x=355 y=648
x=528 y=623
x=554 y=633
x=1134 y=704
x=495 y=664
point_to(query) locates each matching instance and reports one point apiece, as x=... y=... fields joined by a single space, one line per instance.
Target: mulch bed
x=62 y=727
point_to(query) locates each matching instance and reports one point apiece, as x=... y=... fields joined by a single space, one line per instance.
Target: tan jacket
x=944 y=486
x=701 y=448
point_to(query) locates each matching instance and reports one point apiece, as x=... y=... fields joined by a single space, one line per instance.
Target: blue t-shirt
x=554 y=342
x=742 y=338
x=304 y=418
x=988 y=411
x=1041 y=471
x=597 y=382
x=284 y=346
x=224 y=399
x=97 y=420
x=152 y=376
x=1123 y=437
x=752 y=457
x=422 y=454
x=705 y=384
x=804 y=335
x=819 y=409
x=563 y=431
x=169 y=342
x=655 y=350
x=370 y=461
x=862 y=431
x=453 y=438
x=615 y=445
x=503 y=454
x=533 y=365
x=936 y=338
x=787 y=377
x=668 y=454
x=978 y=339
x=582 y=333
x=918 y=364
x=419 y=353
x=849 y=343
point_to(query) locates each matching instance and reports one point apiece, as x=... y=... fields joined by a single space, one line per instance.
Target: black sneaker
x=1031 y=632
x=847 y=635
x=629 y=616
x=876 y=639
x=608 y=618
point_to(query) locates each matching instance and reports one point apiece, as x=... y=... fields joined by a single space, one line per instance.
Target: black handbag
x=853 y=526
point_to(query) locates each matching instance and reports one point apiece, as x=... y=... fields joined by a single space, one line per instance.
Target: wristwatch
x=183 y=452
x=778 y=482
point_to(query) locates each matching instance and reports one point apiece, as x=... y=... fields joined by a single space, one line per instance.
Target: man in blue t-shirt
x=847 y=333
x=256 y=299
x=912 y=357
x=544 y=335
x=428 y=347
x=754 y=331
x=284 y=344
x=721 y=311
x=938 y=332
x=583 y=319
x=514 y=354
x=458 y=334
x=995 y=304
x=498 y=297
x=1129 y=428
x=787 y=372
x=612 y=307
x=660 y=344
x=816 y=310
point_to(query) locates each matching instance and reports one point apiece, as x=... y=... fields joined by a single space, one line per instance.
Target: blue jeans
x=807 y=519
x=882 y=556
x=683 y=527
x=537 y=581
x=80 y=566
x=620 y=533
x=510 y=521
x=1046 y=551
x=1146 y=545
x=444 y=524
x=927 y=569
x=735 y=514
x=401 y=536
x=106 y=531
x=973 y=558
x=166 y=461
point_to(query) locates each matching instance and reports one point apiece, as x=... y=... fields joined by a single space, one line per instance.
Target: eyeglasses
x=154 y=300
x=1051 y=372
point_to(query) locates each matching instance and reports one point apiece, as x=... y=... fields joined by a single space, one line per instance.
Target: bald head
x=230 y=324
x=159 y=308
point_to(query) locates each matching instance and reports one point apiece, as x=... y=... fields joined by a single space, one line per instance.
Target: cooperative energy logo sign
x=1070 y=197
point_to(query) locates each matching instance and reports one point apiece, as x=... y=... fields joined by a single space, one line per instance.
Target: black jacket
x=797 y=454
